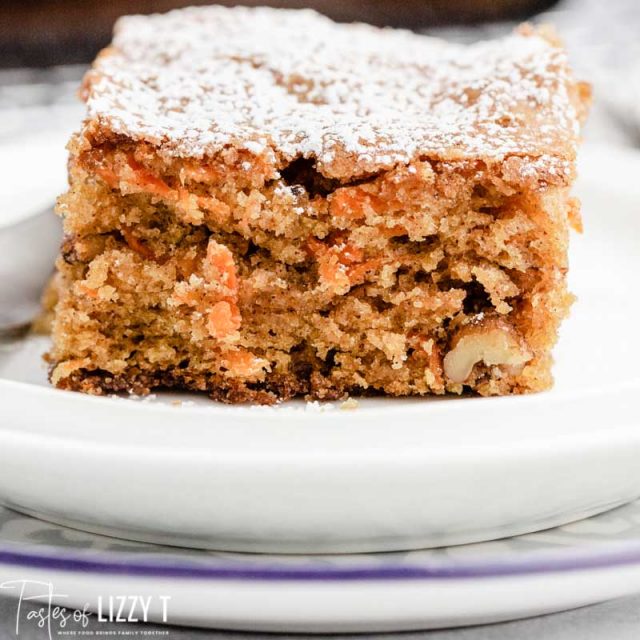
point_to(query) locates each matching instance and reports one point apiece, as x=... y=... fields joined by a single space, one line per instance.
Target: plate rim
x=568 y=559
x=163 y=564
x=615 y=555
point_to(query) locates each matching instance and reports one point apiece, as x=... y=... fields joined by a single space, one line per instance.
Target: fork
x=27 y=253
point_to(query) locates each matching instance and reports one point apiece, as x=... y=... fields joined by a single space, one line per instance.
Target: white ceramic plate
x=575 y=565
x=392 y=474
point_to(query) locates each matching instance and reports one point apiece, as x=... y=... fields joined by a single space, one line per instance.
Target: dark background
x=37 y=33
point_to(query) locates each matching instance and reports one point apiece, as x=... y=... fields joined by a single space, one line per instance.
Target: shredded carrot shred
x=393 y=232
x=147 y=180
x=352 y=203
x=224 y=319
x=220 y=265
x=108 y=175
x=243 y=363
x=88 y=291
x=358 y=272
x=135 y=244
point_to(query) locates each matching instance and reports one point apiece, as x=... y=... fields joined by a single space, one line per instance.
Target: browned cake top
x=354 y=98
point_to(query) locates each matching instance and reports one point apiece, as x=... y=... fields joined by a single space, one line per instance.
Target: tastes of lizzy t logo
x=57 y=619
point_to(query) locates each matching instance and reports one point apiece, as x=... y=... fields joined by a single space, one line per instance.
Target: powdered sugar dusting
x=354 y=98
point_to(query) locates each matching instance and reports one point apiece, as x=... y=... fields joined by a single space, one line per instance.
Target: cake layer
x=328 y=210
x=250 y=285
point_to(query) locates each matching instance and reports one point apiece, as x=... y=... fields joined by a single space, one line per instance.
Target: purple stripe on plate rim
x=127 y=564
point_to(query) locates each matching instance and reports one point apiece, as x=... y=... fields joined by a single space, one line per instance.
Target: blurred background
x=46 y=45
x=44 y=33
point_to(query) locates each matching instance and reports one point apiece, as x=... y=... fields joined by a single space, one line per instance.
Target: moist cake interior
x=258 y=271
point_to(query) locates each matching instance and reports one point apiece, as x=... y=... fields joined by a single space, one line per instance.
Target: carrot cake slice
x=265 y=204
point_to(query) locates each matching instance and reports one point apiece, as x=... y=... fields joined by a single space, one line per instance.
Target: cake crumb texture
x=264 y=204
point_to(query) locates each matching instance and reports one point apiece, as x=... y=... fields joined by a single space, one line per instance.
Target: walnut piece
x=491 y=341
